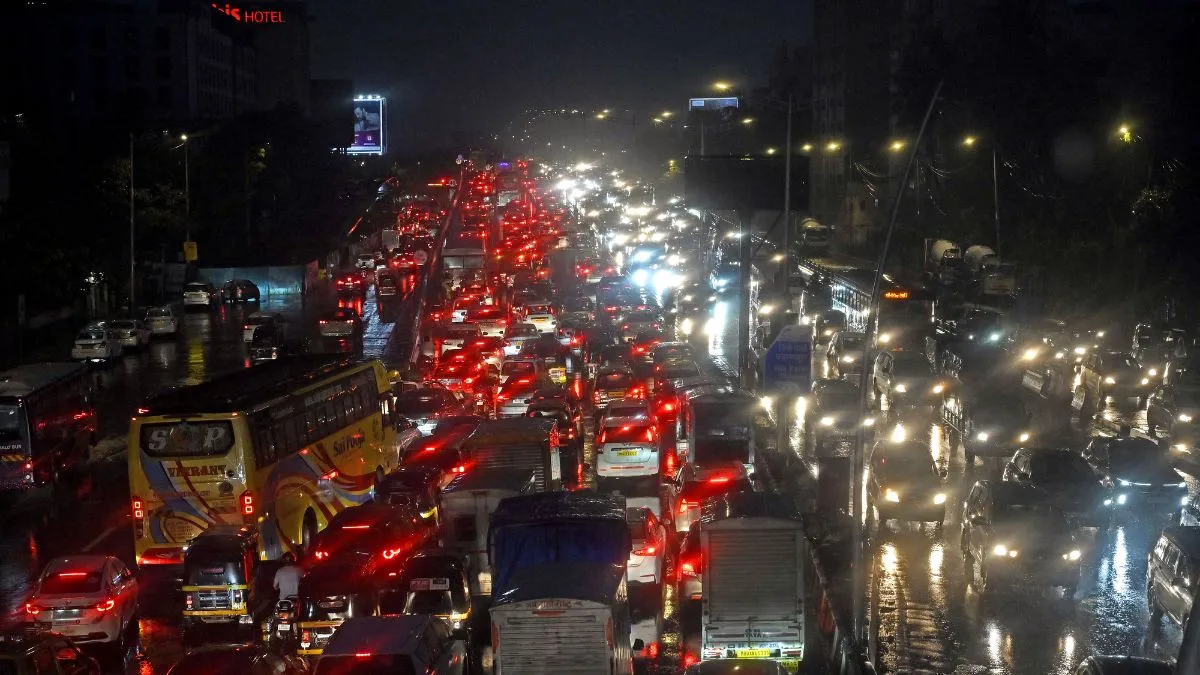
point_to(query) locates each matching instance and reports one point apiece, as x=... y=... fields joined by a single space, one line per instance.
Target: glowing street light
x=722 y=86
x=807 y=147
x=896 y=146
x=833 y=146
x=969 y=141
x=770 y=151
x=1125 y=133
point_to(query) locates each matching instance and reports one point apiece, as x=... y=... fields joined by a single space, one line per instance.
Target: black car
x=1140 y=472
x=1013 y=532
x=417 y=488
x=1076 y=489
x=426 y=406
x=1123 y=665
x=991 y=426
x=240 y=290
x=906 y=485
x=434 y=583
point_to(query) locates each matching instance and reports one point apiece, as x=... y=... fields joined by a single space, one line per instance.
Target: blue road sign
x=789 y=359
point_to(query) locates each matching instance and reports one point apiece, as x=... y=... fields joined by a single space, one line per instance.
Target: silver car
x=131 y=333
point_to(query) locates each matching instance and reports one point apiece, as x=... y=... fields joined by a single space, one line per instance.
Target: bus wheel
x=308 y=531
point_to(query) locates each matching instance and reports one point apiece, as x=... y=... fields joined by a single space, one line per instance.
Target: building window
x=162 y=67
x=162 y=38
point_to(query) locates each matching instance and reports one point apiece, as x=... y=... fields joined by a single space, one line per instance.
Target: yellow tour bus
x=284 y=446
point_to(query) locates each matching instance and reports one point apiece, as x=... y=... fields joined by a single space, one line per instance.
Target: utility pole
x=187 y=193
x=132 y=240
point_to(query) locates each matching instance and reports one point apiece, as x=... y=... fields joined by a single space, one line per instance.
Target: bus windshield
x=10 y=422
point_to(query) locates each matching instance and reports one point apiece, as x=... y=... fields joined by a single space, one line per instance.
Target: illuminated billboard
x=369 y=114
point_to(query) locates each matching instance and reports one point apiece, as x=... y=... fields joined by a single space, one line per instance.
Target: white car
x=131 y=333
x=200 y=295
x=91 y=599
x=545 y=323
x=492 y=321
x=95 y=344
x=627 y=446
x=259 y=319
x=456 y=336
x=365 y=261
x=161 y=321
x=517 y=335
x=649 y=546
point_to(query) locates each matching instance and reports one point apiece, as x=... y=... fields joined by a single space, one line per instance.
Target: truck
x=753 y=554
x=715 y=428
x=467 y=506
x=943 y=262
x=989 y=275
x=530 y=443
x=559 y=595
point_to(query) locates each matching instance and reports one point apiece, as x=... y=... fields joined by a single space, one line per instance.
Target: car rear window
x=614 y=381
x=517 y=368
x=71 y=582
x=91 y=335
x=158 y=312
x=362 y=664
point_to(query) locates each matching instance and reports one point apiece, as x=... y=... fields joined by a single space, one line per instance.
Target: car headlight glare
x=1023 y=437
x=847 y=359
x=939 y=388
x=1123 y=482
x=939 y=498
x=1109 y=379
x=1185 y=418
x=1081 y=350
x=891 y=495
x=827 y=332
x=826 y=421
x=885 y=338
x=1074 y=554
x=1121 y=499
x=1003 y=551
x=900 y=388
x=982 y=437
x=1153 y=372
x=1030 y=354
x=1145 y=380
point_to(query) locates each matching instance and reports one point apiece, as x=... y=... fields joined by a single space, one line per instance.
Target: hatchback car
x=161 y=321
x=91 y=599
x=627 y=446
x=695 y=486
x=845 y=353
x=351 y=284
x=1141 y=474
x=516 y=394
x=340 y=322
x=491 y=320
x=200 y=295
x=240 y=290
x=906 y=485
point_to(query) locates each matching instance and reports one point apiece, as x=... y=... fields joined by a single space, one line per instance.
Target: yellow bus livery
x=285 y=446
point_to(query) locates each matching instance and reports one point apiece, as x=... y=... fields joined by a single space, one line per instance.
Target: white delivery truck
x=467 y=506
x=753 y=579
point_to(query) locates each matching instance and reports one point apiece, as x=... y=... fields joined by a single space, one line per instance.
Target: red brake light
x=650 y=433
x=247 y=501
x=362 y=655
x=390 y=553
x=600 y=440
x=652 y=650
x=461 y=468
x=106 y=606
x=646 y=550
x=716 y=480
x=690 y=660
x=321 y=555
x=32 y=608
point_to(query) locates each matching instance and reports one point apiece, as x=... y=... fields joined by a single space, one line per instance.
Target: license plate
x=66 y=622
x=790 y=665
x=628 y=452
x=753 y=653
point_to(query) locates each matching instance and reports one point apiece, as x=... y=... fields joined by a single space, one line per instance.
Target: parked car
x=162 y=321
x=91 y=599
x=240 y=290
x=200 y=295
x=96 y=344
x=131 y=333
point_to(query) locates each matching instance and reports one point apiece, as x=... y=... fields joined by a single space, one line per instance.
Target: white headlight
x=1073 y=555
x=826 y=421
x=885 y=338
x=1154 y=372
x=847 y=359
x=827 y=332
x=939 y=498
x=1000 y=549
x=982 y=437
x=1023 y=437
x=1145 y=380
x=938 y=388
x=891 y=495
x=1185 y=418
x=1030 y=354
x=1109 y=379
x=1123 y=483
x=900 y=388
x=899 y=434
x=1081 y=350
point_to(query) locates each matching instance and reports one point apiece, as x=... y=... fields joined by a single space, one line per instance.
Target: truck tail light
x=247 y=503
x=138 y=512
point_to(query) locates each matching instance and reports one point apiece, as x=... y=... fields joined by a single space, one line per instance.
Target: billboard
x=369 y=115
x=712 y=103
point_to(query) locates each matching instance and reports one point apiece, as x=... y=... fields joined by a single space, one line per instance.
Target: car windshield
x=420 y=403
x=518 y=368
x=71 y=582
x=614 y=381
x=901 y=469
x=429 y=603
x=637 y=524
x=1120 y=361
x=1060 y=467
x=852 y=343
x=10 y=422
x=91 y=335
x=193 y=287
x=259 y=319
x=912 y=367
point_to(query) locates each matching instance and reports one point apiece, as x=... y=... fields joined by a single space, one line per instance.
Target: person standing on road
x=287 y=578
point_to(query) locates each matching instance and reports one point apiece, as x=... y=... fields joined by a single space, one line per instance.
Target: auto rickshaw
x=222 y=583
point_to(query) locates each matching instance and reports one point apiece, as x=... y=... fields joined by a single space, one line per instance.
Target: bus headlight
x=685 y=326
x=891 y=495
x=939 y=498
x=1073 y=555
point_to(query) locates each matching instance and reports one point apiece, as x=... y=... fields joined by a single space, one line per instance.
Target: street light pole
x=187 y=193
x=995 y=200
x=132 y=280
x=787 y=203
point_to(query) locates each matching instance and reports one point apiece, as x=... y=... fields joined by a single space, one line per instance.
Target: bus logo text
x=190 y=471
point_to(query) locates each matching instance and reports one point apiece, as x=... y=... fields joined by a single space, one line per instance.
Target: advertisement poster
x=368 y=125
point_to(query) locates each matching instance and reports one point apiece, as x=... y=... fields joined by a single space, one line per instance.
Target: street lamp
x=896 y=146
x=1125 y=133
x=187 y=191
x=969 y=141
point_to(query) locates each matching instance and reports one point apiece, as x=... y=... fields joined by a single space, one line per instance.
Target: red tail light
x=461 y=468
x=32 y=609
x=652 y=650
x=138 y=511
x=685 y=504
x=247 y=502
x=106 y=606
x=650 y=434
x=600 y=440
x=390 y=553
x=321 y=555
x=717 y=480
x=646 y=550
x=690 y=660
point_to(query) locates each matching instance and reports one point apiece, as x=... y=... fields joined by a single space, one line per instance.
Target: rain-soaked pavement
x=207 y=344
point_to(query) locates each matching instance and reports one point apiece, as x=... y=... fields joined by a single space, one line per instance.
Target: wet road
x=207 y=344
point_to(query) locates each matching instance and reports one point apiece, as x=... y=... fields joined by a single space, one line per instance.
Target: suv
x=1012 y=531
x=627 y=446
x=1172 y=574
x=1111 y=373
x=405 y=645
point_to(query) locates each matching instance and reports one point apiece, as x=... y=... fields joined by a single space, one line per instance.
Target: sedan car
x=1013 y=532
x=91 y=599
x=492 y=320
x=906 y=485
x=200 y=295
x=1074 y=486
x=342 y=322
x=648 y=556
x=833 y=410
x=96 y=344
x=515 y=395
x=693 y=488
x=131 y=333
x=161 y=321
x=516 y=335
x=994 y=425
x=1140 y=472
x=845 y=353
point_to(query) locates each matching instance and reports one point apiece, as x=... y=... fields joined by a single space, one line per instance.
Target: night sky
x=470 y=65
